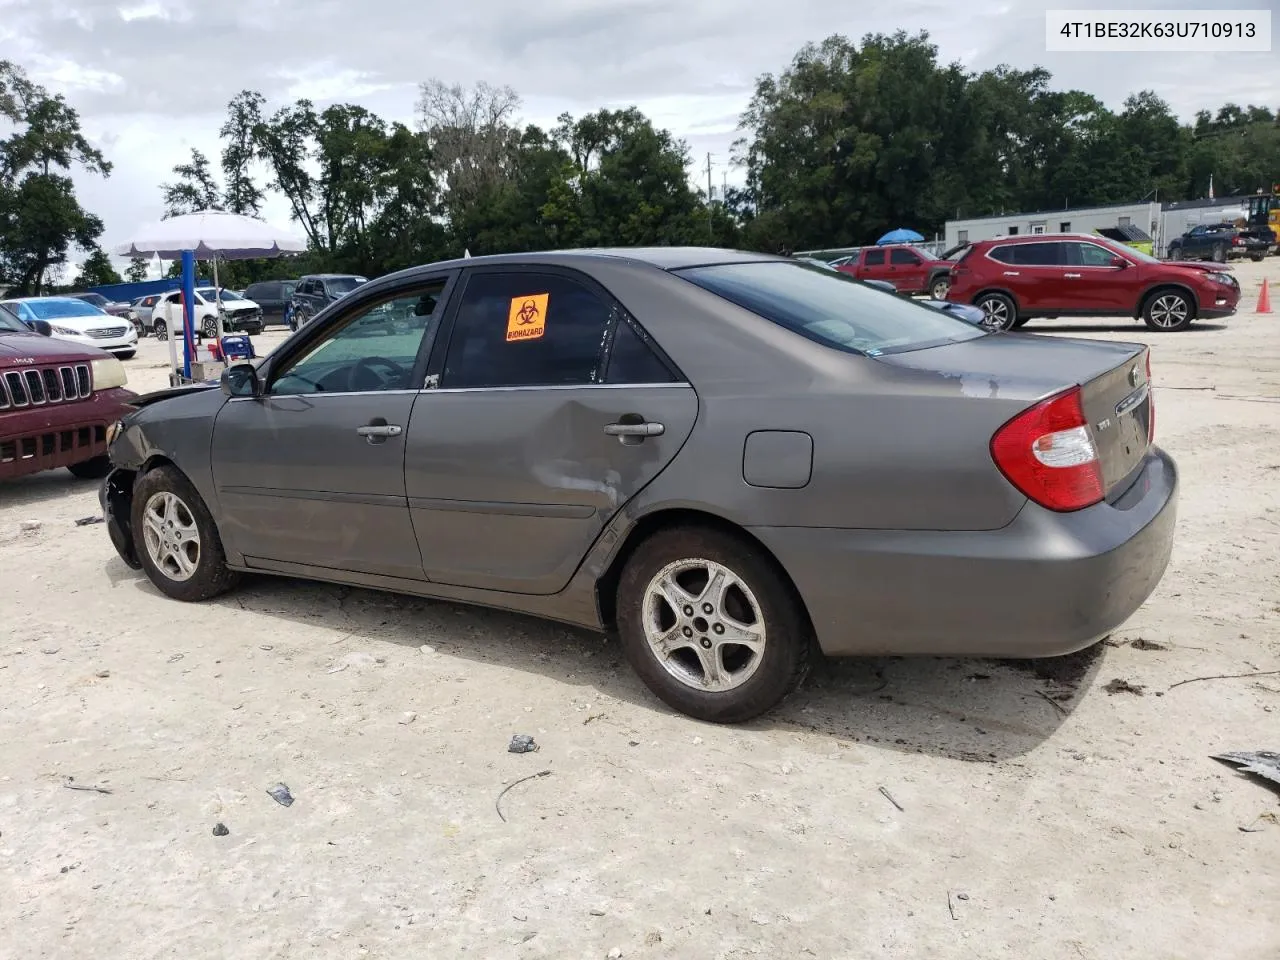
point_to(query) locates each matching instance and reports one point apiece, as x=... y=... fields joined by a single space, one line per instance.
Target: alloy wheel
x=171 y=536
x=704 y=625
x=1169 y=311
x=999 y=316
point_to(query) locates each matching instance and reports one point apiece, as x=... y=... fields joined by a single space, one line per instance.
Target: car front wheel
x=1001 y=311
x=176 y=539
x=711 y=625
x=1168 y=310
x=160 y=330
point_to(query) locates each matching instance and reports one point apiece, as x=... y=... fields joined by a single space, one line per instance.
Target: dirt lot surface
x=1040 y=815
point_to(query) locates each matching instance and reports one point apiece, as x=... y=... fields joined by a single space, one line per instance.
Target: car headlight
x=108 y=373
x=1222 y=278
x=114 y=430
x=66 y=331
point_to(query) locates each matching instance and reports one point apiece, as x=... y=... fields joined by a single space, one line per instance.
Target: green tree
x=40 y=218
x=194 y=189
x=137 y=270
x=97 y=270
x=244 y=116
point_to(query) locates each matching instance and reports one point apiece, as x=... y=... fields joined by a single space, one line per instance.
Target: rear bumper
x=58 y=435
x=1048 y=584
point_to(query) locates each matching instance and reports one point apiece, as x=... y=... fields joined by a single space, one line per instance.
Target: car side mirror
x=241 y=380
x=1120 y=262
x=42 y=327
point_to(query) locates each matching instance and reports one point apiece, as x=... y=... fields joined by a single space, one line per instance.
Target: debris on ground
x=220 y=830
x=521 y=743
x=615 y=953
x=407 y=718
x=1053 y=703
x=1228 y=676
x=888 y=796
x=30 y=526
x=1124 y=686
x=1142 y=643
x=1269 y=817
x=86 y=521
x=75 y=786
x=1262 y=763
x=281 y=795
x=497 y=803
x=427 y=648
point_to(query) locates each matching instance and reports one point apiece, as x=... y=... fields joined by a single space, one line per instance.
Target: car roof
x=66 y=299
x=1041 y=238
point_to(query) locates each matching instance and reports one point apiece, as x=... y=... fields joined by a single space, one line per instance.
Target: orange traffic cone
x=1264 y=300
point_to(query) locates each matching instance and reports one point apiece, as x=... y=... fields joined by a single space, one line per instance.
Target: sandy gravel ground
x=1041 y=817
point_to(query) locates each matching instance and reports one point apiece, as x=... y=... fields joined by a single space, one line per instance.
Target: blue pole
x=188 y=309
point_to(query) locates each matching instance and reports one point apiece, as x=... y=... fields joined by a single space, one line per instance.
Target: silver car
x=730 y=459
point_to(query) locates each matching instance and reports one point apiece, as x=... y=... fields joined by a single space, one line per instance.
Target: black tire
x=1257 y=257
x=1001 y=311
x=126 y=354
x=94 y=469
x=1022 y=322
x=1168 y=310
x=1175 y=251
x=767 y=676
x=209 y=327
x=211 y=575
x=1219 y=253
x=939 y=287
x=160 y=329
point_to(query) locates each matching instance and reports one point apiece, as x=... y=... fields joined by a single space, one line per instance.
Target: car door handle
x=378 y=432
x=1013 y=273
x=1072 y=276
x=632 y=433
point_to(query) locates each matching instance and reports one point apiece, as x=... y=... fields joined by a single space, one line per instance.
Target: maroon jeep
x=58 y=402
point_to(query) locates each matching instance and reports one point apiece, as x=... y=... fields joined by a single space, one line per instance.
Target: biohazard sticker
x=527 y=317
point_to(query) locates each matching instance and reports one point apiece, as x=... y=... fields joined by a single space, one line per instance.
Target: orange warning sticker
x=527 y=317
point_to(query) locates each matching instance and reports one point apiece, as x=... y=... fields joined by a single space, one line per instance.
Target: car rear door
x=552 y=410
x=311 y=473
x=874 y=266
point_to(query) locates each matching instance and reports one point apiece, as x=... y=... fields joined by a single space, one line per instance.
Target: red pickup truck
x=910 y=269
x=58 y=402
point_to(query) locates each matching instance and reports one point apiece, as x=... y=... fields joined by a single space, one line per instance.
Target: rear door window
x=1029 y=254
x=525 y=329
x=830 y=307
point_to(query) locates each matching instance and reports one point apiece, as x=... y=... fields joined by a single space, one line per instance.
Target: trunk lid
x=1115 y=394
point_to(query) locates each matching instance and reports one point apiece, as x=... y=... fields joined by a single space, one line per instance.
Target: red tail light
x=1049 y=455
x=1237 y=241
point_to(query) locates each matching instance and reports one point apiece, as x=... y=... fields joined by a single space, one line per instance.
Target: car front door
x=552 y=410
x=907 y=271
x=1102 y=287
x=311 y=471
x=1195 y=243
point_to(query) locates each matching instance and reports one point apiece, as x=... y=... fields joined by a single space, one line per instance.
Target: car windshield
x=344 y=284
x=208 y=293
x=9 y=322
x=61 y=309
x=1140 y=255
x=830 y=307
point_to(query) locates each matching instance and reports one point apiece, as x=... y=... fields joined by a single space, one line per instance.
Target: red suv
x=58 y=402
x=1014 y=279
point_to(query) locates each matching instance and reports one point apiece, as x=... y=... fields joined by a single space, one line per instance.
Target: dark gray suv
x=316 y=291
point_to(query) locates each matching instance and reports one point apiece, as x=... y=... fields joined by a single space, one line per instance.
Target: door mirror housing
x=42 y=327
x=241 y=380
x=1119 y=262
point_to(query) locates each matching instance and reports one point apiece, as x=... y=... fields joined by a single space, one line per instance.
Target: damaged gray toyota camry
x=732 y=460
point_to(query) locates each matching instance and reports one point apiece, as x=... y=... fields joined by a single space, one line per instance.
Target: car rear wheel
x=176 y=539
x=94 y=469
x=711 y=625
x=938 y=290
x=1219 y=253
x=1001 y=311
x=1168 y=310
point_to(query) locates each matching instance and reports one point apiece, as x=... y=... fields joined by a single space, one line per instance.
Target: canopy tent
x=206 y=235
x=901 y=235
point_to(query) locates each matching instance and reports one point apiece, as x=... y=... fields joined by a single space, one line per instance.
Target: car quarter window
x=633 y=358
x=375 y=347
x=523 y=329
x=903 y=257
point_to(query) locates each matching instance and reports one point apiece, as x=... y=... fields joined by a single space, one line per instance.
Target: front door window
x=377 y=348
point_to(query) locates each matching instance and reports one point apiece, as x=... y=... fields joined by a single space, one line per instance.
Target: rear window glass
x=830 y=307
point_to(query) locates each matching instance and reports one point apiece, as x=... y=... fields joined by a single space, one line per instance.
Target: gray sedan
x=731 y=459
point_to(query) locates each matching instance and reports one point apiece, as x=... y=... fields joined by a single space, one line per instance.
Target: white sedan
x=80 y=322
x=239 y=314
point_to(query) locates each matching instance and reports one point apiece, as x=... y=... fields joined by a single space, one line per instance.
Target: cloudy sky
x=151 y=78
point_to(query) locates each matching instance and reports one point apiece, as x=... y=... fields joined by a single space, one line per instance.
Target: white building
x=1144 y=216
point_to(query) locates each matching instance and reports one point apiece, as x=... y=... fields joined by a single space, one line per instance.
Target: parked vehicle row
x=910 y=269
x=77 y=321
x=550 y=434
x=1219 y=242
